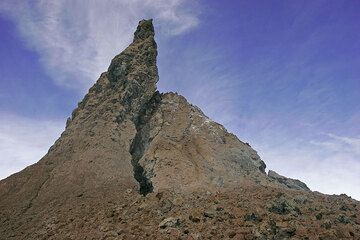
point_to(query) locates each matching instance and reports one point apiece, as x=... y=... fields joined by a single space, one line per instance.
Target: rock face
x=289 y=182
x=134 y=163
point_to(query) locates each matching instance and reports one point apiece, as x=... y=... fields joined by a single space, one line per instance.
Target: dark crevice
x=142 y=141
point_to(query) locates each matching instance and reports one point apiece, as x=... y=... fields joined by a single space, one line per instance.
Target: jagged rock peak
x=144 y=30
x=134 y=71
x=130 y=80
x=140 y=56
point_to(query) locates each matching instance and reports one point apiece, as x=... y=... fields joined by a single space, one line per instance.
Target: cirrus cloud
x=23 y=141
x=76 y=40
x=328 y=165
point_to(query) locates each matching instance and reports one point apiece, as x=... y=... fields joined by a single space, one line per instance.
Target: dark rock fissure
x=141 y=142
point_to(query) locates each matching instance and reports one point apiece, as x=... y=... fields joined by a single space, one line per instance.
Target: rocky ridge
x=134 y=163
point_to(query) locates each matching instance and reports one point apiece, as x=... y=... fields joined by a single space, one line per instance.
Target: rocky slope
x=134 y=163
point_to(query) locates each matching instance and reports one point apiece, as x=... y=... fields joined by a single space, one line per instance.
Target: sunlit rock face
x=134 y=163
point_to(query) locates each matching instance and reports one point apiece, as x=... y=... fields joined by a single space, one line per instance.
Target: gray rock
x=301 y=199
x=169 y=222
x=285 y=233
x=343 y=219
x=210 y=213
x=282 y=206
x=254 y=217
x=289 y=182
x=327 y=224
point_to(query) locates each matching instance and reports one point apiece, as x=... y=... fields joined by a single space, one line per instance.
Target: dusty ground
x=252 y=212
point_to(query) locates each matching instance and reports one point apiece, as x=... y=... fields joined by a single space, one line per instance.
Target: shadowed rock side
x=134 y=163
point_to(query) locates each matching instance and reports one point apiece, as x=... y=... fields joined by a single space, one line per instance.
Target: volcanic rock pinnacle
x=126 y=147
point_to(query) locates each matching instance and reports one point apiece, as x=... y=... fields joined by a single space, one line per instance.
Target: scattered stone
x=343 y=219
x=159 y=195
x=232 y=234
x=80 y=195
x=210 y=213
x=166 y=205
x=196 y=236
x=319 y=216
x=272 y=227
x=327 y=224
x=219 y=209
x=285 y=233
x=344 y=208
x=254 y=217
x=170 y=222
x=301 y=199
x=194 y=219
x=280 y=207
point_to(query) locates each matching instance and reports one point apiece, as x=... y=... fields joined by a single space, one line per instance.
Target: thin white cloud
x=329 y=166
x=76 y=39
x=351 y=143
x=24 y=141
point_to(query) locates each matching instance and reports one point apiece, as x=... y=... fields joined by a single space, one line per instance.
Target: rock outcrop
x=134 y=163
x=289 y=182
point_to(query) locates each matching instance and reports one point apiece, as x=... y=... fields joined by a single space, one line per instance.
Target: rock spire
x=130 y=157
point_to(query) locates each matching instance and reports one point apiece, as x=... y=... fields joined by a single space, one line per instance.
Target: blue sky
x=282 y=75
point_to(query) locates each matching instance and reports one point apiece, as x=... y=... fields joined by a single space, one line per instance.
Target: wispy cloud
x=24 y=141
x=349 y=144
x=329 y=165
x=77 y=39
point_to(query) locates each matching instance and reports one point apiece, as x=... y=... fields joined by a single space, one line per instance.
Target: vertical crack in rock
x=134 y=74
x=141 y=142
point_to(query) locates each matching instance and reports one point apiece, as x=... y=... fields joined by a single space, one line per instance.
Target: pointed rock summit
x=134 y=163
